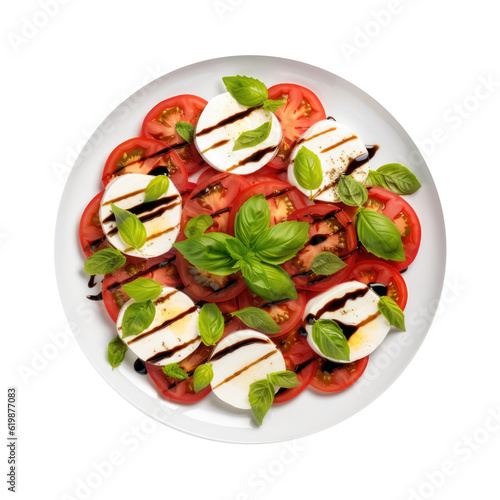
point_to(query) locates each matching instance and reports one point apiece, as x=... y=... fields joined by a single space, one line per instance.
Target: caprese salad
x=277 y=269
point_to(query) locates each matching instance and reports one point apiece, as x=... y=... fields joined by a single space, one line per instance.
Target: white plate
x=310 y=412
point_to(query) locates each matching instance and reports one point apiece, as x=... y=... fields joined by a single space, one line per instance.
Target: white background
x=436 y=432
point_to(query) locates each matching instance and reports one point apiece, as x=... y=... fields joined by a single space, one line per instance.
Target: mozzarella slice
x=240 y=359
x=172 y=336
x=340 y=152
x=354 y=306
x=222 y=121
x=161 y=217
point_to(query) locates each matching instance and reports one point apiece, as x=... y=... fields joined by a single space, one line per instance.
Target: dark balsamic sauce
x=317 y=239
x=168 y=354
x=159 y=171
x=228 y=121
x=147 y=207
x=92 y=282
x=140 y=367
x=258 y=155
x=229 y=284
x=378 y=288
x=95 y=297
x=329 y=366
x=237 y=345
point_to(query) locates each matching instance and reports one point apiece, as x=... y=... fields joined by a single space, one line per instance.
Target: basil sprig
x=272 y=105
x=392 y=312
x=173 y=370
x=261 y=393
x=143 y=289
x=394 y=177
x=257 y=319
x=251 y=220
x=307 y=169
x=252 y=138
x=330 y=339
x=327 y=263
x=156 y=188
x=202 y=376
x=185 y=130
x=210 y=324
x=116 y=351
x=352 y=192
x=198 y=225
x=137 y=317
x=105 y=261
x=131 y=229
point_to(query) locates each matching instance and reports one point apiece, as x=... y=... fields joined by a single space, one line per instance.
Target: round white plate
x=310 y=412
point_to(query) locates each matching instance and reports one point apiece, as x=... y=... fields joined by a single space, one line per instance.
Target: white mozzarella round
x=352 y=303
x=172 y=336
x=240 y=359
x=161 y=218
x=215 y=140
x=336 y=146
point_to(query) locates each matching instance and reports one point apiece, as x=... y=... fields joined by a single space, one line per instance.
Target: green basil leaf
x=272 y=105
x=352 y=192
x=327 y=263
x=379 y=235
x=156 y=188
x=392 y=312
x=281 y=242
x=116 y=351
x=253 y=137
x=131 y=229
x=257 y=319
x=105 y=261
x=376 y=179
x=285 y=379
x=210 y=324
x=398 y=178
x=185 y=130
x=137 y=317
x=268 y=281
x=330 y=339
x=143 y=289
x=208 y=252
x=173 y=370
x=252 y=218
x=247 y=91
x=202 y=377
x=307 y=169
x=237 y=250
x=261 y=397
x=198 y=225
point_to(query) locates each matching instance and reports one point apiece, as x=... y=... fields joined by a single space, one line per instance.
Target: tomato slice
x=161 y=269
x=286 y=313
x=90 y=231
x=231 y=323
x=299 y=358
x=214 y=197
x=142 y=155
x=282 y=198
x=302 y=109
x=380 y=273
x=160 y=123
x=330 y=230
x=336 y=377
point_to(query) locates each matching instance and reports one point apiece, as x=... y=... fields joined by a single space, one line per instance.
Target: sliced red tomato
x=231 y=323
x=285 y=313
x=207 y=174
x=214 y=197
x=181 y=391
x=336 y=377
x=90 y=232
x=380 y=273
x=299 y=358
x=330 y=230
x=142 y=155
x=302 y=109
x=160 y=123
x=161 y=269
x=282 y=198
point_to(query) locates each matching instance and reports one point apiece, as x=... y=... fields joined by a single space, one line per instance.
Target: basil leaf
x=116 y=351
x=185 y=130
x=392 y=312
x=105 y=261
x=252 y=218
x=210 y=324
x=198 y=225
x=398 y=178
x=137 y=317
x=285 y=379
x=253 y=137
x=156 y=188
x=379 y=235
x=131 y=229
x=261 y=397
x=272 y=105
x=352 y=192
x=247 y=91
x=237 y=250
x=330 y=339
x=281 y=242
x=143 y=289
x=173 y=370
x=327 y=263
x=208 y=252
x=376 y=179
x=307 y=169
x=268 y=281
x=257 y=319
x=202 y=377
